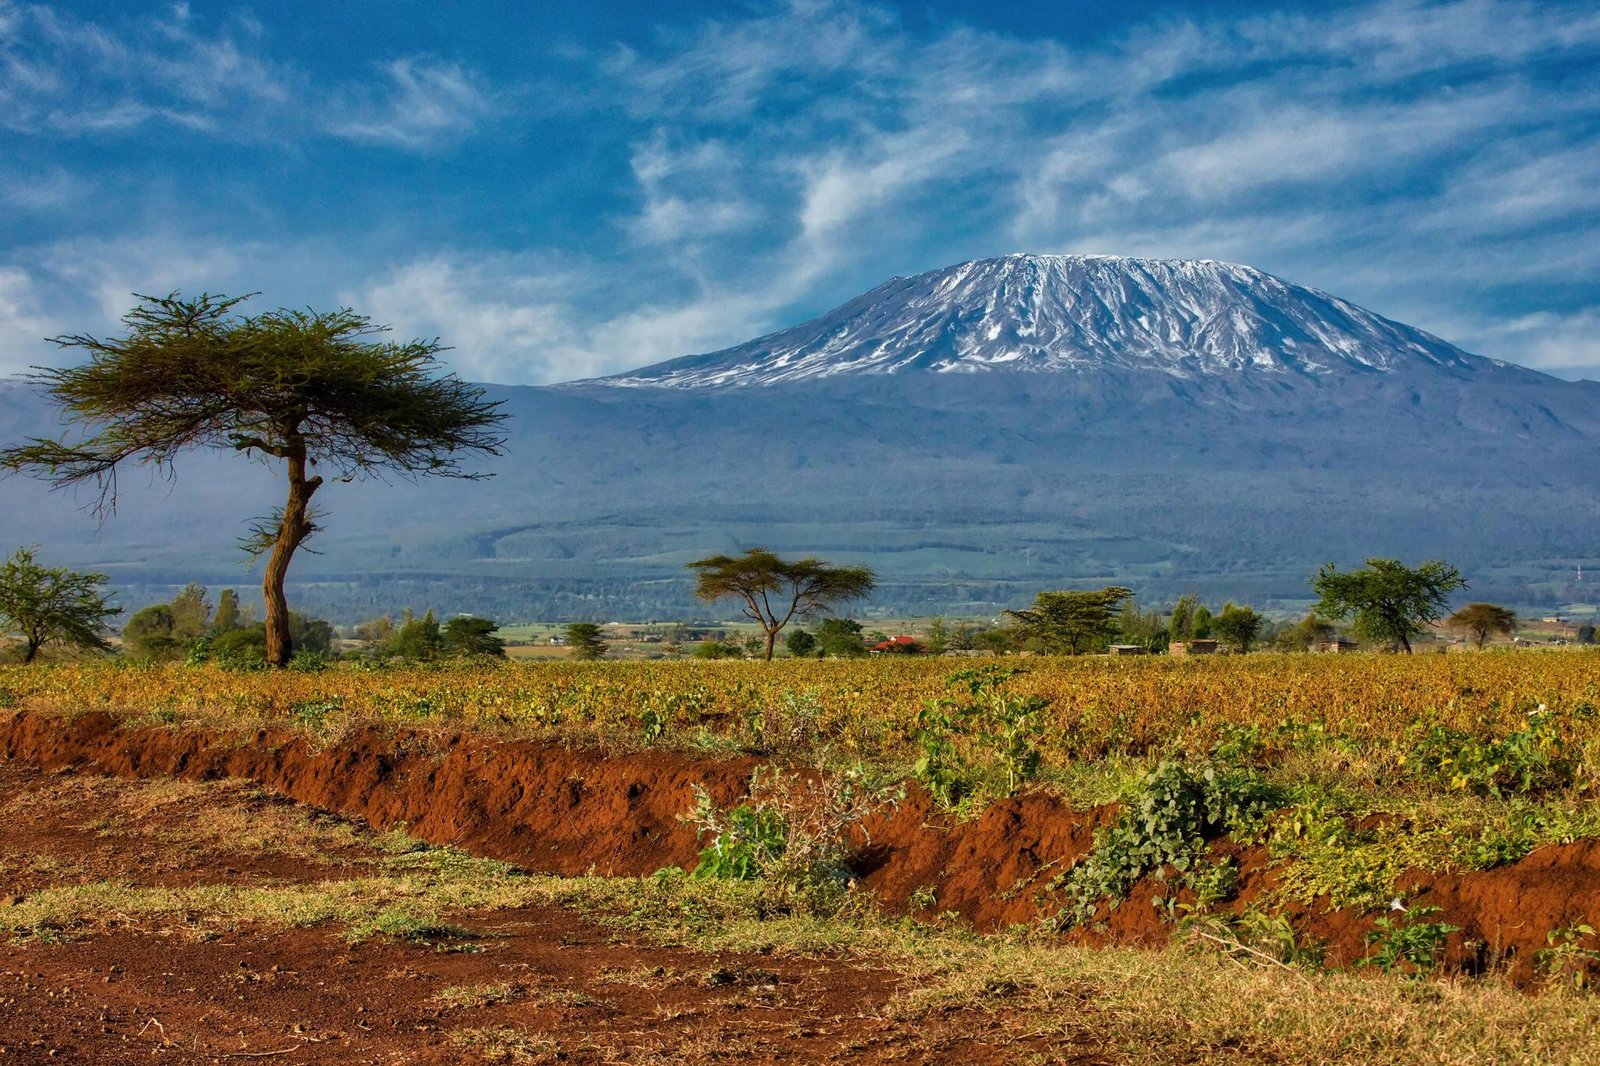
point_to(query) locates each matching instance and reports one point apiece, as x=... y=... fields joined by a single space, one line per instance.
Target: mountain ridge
x=1185 y=318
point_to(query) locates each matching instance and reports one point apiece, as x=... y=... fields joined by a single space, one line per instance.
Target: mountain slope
x=1083 y=314
x=976 y=434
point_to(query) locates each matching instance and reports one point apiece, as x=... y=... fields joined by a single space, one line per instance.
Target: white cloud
x=424 y=103
x=23 y=324
x=61 y=74
x=1560 y=343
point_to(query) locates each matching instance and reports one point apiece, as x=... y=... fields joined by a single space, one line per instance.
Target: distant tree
x=1387 y=602
x=227 y=617
x=1237 y=626
x=998 y=640
x=1586 y=634
x=1482 y=620
x=840 y=638
x=304 y=388
x=191 y=613
x=1144 y=628
x=1181 y=625
x=148 y=634
x=1202 y=624
x=1073 y=619
x=467 y=635
x=1305 y=634
x=586 y=640
x=52 y=605
x=247 y=645
x=800 y=644
x=377 y=632
x=774 y=591
x=938 y=637
x=963 y=637
x=716 y=649
x=417 y=638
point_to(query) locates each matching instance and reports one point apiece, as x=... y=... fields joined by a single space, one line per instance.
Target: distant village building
x=1335 y=646
x=897 y=646
x=1192 y=647
x=1128 y=649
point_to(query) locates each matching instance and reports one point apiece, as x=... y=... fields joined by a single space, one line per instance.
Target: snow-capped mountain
x=1184 y=318
x=976 y=434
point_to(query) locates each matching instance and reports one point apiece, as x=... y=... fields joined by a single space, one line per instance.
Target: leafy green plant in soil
x=1177 y=809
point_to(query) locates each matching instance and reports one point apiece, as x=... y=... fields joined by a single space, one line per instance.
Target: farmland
x=1013 y=859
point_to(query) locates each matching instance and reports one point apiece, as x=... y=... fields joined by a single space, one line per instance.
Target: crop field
x=1294 y=858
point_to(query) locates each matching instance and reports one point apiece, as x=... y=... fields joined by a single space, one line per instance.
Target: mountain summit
x=1055 y=313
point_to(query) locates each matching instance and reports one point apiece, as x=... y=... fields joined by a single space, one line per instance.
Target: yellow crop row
x=1098 y=706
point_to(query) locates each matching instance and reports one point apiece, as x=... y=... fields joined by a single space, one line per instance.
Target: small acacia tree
x=45 y=605
x=774 y=592
x=1387 y=602
x=301 y=388
x=1237 y=626
x=1482 y=620
x=1073 y=619
x=586 y=639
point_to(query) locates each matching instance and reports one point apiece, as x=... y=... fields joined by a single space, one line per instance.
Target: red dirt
x=128 y=990
x=571 y=810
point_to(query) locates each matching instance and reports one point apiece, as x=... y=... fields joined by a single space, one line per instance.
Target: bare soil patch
x=523 y=984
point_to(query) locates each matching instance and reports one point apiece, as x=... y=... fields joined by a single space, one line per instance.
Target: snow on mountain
x=1184 y=318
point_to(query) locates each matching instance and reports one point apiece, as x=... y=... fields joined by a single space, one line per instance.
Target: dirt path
x=522 y=984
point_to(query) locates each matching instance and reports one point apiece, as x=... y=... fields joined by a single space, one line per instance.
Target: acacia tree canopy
x=1072 y=619
x=1481 y=620
x=302 y=388
x=1387 y=602
x=775 y=591
x=46 y=605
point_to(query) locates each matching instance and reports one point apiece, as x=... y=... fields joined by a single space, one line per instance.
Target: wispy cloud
x=422 y=104
x=63 y=75
x=1432 y=160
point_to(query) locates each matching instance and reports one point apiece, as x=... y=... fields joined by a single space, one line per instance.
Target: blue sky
x=563 y=190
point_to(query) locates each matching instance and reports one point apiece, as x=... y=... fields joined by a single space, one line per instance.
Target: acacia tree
x=1388 y=602
x=1073 y=618
x=1483 y=619
x=775 y=592
x=52 y=604
x=302 y=388
x=1237 y=626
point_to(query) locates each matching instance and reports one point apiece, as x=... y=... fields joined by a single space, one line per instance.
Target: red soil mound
x=569 y=810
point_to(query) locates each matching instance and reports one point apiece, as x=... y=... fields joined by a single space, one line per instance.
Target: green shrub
x=984 y=747
x=1417 y=944
x=1167 y=823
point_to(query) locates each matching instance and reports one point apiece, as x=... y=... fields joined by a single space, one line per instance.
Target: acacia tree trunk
x=772 y=638
x=292 y=530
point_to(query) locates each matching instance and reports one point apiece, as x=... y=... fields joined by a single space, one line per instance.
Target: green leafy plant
x=1529 y=760
x=1001 y=728
x=1408 y=941
x=796 y=832
x=1567 y=956
x=745 y=841
x=1166 y=823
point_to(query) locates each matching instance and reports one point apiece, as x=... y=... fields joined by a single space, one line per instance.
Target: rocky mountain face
x=975 y=433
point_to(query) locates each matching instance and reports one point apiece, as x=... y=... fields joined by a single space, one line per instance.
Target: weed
x=1250 y=936
x=794 y=834
x=1001 y=727
x=1568 y=957
x=406 y=925
x=1417 y=944
x=1167 y=823
x=1528 y=760
x=489 y=995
